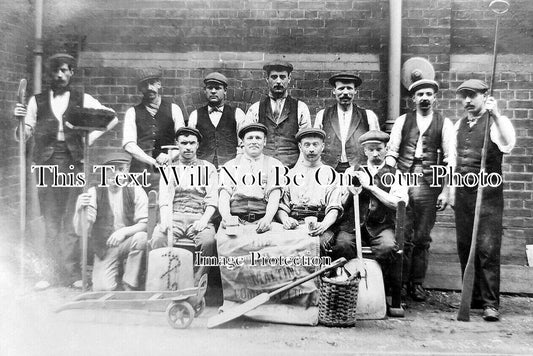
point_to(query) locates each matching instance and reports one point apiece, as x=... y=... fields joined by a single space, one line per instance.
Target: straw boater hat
x=187 y=131
x=252 y=127
x=345 y=77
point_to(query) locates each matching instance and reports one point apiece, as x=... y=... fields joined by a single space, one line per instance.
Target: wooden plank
x=447 y=276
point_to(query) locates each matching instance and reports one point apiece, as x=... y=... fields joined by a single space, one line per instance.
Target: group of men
x=276 y=132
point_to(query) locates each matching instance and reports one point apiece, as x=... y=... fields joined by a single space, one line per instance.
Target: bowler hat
x=345 y=77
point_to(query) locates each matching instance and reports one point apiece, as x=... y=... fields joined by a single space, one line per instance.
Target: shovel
x=265 y=297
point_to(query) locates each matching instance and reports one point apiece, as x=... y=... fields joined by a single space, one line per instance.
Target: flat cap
x=473 y=85
x=345 y=77
x=216 y=77
x=252 y=127
x=278 y=64
x=310 y=131
x=117 y=157
x=423 y=83
x=187 y=131
x=145 y=74
x=374 y=136
x=60 y=58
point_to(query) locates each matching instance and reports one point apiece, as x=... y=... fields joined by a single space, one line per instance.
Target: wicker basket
x=338 y=301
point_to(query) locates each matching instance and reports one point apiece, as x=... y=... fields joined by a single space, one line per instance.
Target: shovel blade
x=238 y=311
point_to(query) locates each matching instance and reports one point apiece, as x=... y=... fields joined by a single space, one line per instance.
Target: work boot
x=491 y=314
x=418 y=293
x=405 y=291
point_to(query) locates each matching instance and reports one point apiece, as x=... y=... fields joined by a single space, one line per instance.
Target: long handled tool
x=499 y=7
x=265 y=297
x=21 y=99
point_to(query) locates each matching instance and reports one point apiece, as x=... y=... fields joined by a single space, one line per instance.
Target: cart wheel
x=199 y=308
x=180 y=315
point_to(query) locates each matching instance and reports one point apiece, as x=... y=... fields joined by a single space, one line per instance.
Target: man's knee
x=206 y=241
x=139 y=240
x=159 y=239
x=384 y=245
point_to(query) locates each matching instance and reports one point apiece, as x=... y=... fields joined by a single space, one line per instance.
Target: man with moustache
x=191 y=205
x=466 y=157
x=150 y=125
x=282 y=115
x=313 y=191
x=344 y=123
x=57 y=144
x=420 y=139
x=217 y=121
x=117 y=218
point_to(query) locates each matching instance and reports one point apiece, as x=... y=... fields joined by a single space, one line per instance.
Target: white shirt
x=130 y=128
x=345 y=119
x=423 y=122
x=215 y=117
x=59 y=104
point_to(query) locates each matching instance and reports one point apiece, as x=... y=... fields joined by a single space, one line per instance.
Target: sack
x=174 y=272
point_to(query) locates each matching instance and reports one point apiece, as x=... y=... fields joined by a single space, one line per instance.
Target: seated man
x=312 y=191
x=377 y=201
x=190 y=203
x=257 y=255
x=117 y=216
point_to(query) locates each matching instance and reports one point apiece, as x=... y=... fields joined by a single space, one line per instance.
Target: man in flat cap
x=466 y=157
x=378 y=200
x=283 y=115
x=150 y=125
x=57 y=144
x=344 y=123
x=248 y=203
x=217 y=121
x=419 y=140
x=189 y=204
x=117 y=216
x=313 y=191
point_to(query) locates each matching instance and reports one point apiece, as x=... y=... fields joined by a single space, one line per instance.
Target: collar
x=276 y=99
x=193 y=162
x=350 y=108
x=252 y=159
x=374 y=169
x=153 y=104
x=59 y=92
x=213 y=108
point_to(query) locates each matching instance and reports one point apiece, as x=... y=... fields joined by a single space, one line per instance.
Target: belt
x=250 y=217
x=302 y=213
x=417 y=161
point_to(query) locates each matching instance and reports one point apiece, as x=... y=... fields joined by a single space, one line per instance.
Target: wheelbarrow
x=180 y=306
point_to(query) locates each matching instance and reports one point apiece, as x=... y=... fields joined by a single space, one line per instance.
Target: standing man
x=282 y=115
x=481 y=107
x=117 y=218
x=191 y=202
x=420 y=139
x=313 y=191
x=149 y=125
x=57 y=144
x=344 y=123
x=217 y=122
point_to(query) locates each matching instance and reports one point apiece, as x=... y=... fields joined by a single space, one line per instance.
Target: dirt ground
x=29 y=326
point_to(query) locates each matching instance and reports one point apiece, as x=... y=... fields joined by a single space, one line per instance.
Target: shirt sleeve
x=129 y=128
x=141 y=206
x=177 y=116
x=167 y=190
x=193 y=119
x=271 y=181
x=496 y=137
x=240 y=118
x=373 y=121
x=211 y=197
x=448 y=133
x=31 y=113
x=393 y=147
x=398 y=190
x=225 y=181
x=334 y=199
x=91 y=103
x=285 y=201
x=253 y=114
x=304 y=116
x=318 y=119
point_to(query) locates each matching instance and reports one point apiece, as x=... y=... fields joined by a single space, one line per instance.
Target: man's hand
x=116 y=238
x=165 y=223
x=163 y=159
x=442 y=201
x=319 y=229
x=263 y=225
x=20 y=110
x=451 y=197
x=289 y=223
x=364 y=179
x=199 y=225
x=492 y=106
x=84 y=200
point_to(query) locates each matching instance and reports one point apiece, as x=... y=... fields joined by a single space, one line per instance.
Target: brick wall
x=190 y=38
